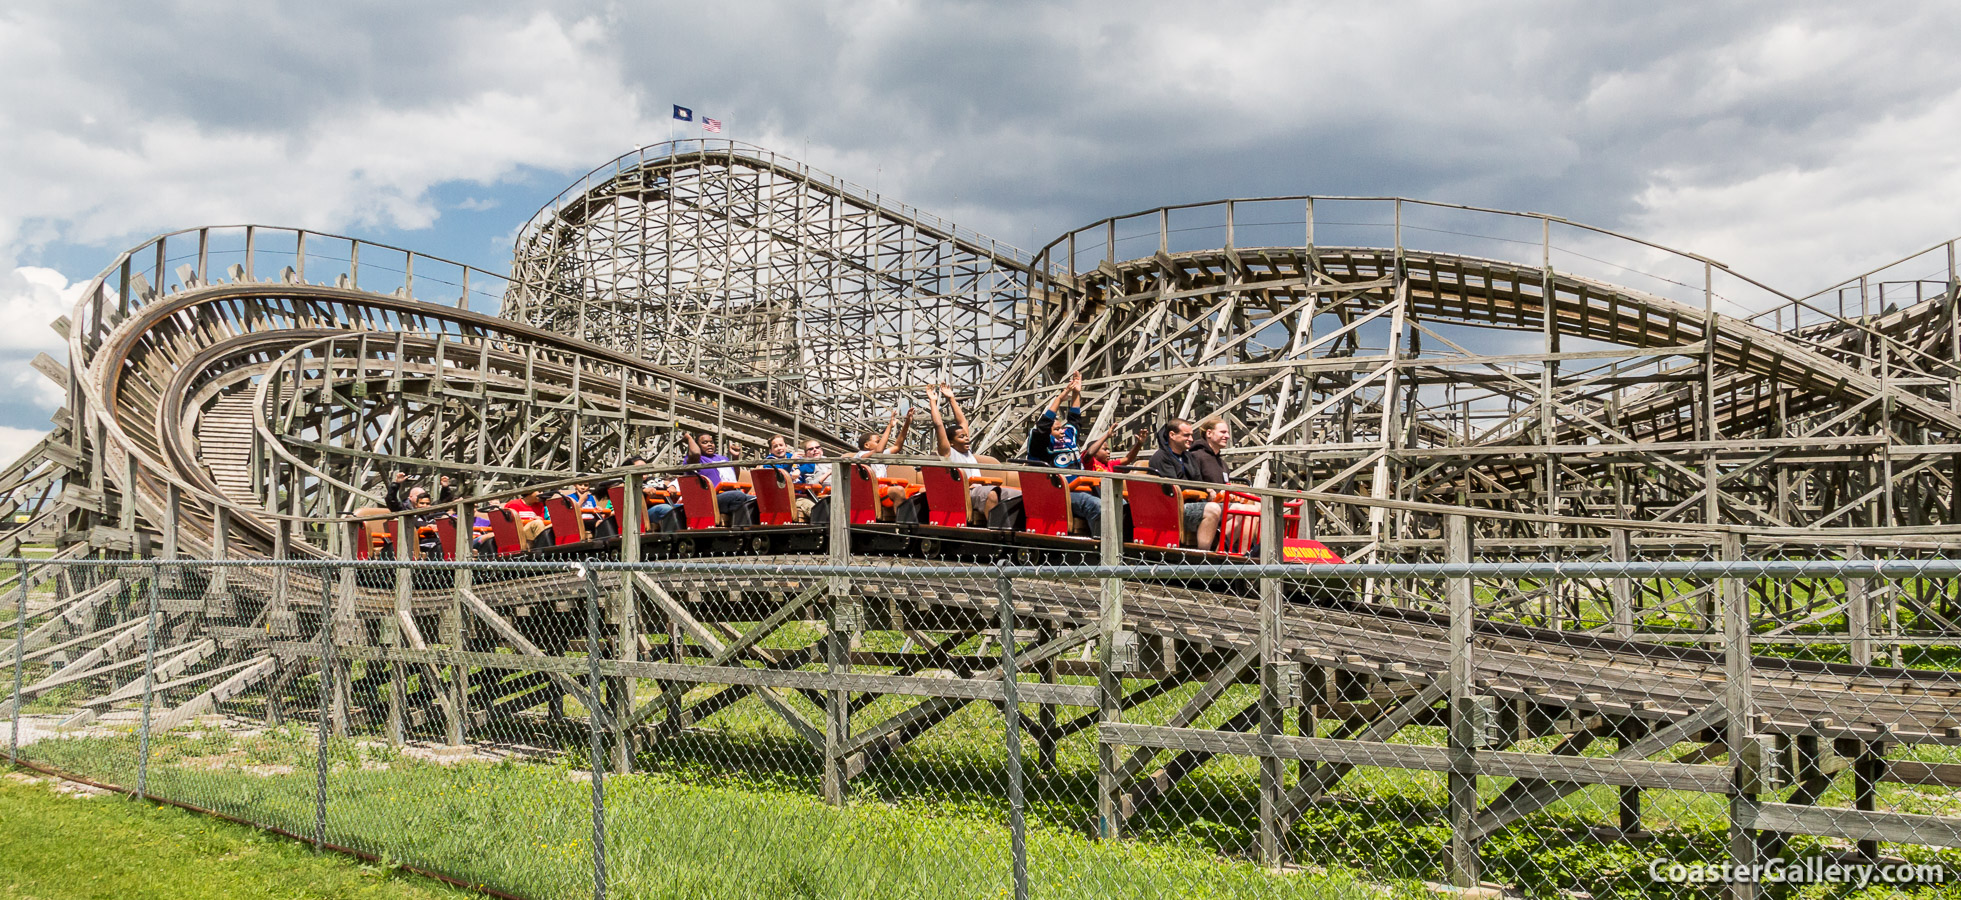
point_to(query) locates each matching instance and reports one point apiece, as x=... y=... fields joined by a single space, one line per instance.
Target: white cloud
x=1890 y=192
x=30 y=298
x=107 y=158
x=16 y=441
x=1796 y=141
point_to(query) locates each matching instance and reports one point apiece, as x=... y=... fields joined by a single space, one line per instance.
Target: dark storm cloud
x=1061 y=113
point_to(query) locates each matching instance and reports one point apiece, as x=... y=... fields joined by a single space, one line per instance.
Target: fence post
x=341 y=604
x=1109 y=681
x=1462 y=779
x=1273 y=787
x=1858 y=613
x=627 y=622
x=1620 y=549
x=149 y=685
x=406 y=541
x=597 y=749
x=837 y=649
x=459 y=629
x=1011 y=716
x=328 y=686
x=1737 y=708
x=20 y=661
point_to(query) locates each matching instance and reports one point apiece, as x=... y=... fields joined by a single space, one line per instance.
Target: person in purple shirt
x=701 y=450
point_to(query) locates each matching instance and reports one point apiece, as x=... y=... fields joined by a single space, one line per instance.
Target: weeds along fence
x=904 y=728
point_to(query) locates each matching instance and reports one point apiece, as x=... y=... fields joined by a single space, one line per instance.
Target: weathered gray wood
x=1526 y=797
x=73 y=613
x=898 y=685
x=518 y=642
x=252 y=672
x=1854 y=825
x=1110 y=618
x=1313 y=784
x=1461 y=783
x=679 y=615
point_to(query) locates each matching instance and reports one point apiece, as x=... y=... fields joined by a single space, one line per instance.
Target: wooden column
x=1858 y=613
x=1620 y=549
x=1273 y=786
x=1046 y=719
x=1109 y=680
x=1739 y=728
x=456 y=631
x=626 y=621
x=837 y=647
x=1867 y=767
x=1632 y=730
x=405 y=542
x=1461 y=782
x=345 y=631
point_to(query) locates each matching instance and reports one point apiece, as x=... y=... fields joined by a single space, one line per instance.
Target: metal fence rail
x=582 y=727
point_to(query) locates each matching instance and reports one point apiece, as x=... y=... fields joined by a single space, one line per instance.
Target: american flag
x=711 y=125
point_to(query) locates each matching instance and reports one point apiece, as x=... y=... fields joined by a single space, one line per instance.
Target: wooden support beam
x=518 y=642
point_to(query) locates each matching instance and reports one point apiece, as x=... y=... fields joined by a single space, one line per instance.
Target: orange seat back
x=1157 y=514
x=697 y=500
x=1045 y=500
x=946 y=496
x=772 y=487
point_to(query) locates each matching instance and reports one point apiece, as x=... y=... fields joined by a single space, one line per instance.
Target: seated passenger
x=779 y=448
x=1097 y=457
x=414 y=498
x=1052 y=442
x=529 y=508
x=1214 y=436
x=956 y=447
x=807 y=478
x=812 y=473
x=1173 y=460
x=873 y=443
x=732 y=503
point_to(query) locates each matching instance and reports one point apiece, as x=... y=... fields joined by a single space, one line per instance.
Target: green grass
x=682 y=832
x=63 y=847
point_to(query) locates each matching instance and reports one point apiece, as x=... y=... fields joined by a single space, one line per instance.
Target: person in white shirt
x=955 y=447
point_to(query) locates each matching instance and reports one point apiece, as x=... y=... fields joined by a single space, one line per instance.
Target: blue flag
x=684 y=114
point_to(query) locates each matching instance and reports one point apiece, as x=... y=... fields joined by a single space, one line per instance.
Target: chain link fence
x=1600 y=718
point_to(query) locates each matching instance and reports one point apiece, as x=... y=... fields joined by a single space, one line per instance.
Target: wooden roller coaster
x=238 y=394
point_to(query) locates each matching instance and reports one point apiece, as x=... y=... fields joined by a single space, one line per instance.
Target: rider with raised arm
x=955 y=446
x=1052 y=442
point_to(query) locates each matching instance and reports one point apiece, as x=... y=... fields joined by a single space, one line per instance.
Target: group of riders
x=1185 y=451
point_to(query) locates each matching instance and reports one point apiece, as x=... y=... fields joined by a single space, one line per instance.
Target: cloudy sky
x=1798 y=142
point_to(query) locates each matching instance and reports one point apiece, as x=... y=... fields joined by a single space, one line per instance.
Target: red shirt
x=1096 y=465
x=519 y=507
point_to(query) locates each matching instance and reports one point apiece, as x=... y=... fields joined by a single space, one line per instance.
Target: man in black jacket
x=1213 y=437
x=1174 y=459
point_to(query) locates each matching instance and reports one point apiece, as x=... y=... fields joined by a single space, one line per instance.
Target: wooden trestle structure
x=235 y=393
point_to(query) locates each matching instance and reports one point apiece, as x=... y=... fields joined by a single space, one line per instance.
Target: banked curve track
x=150 y=383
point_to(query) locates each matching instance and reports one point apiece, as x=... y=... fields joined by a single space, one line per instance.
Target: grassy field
x=62 y=846
x=730 y=808
x=526 y=828
x=734 y=811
